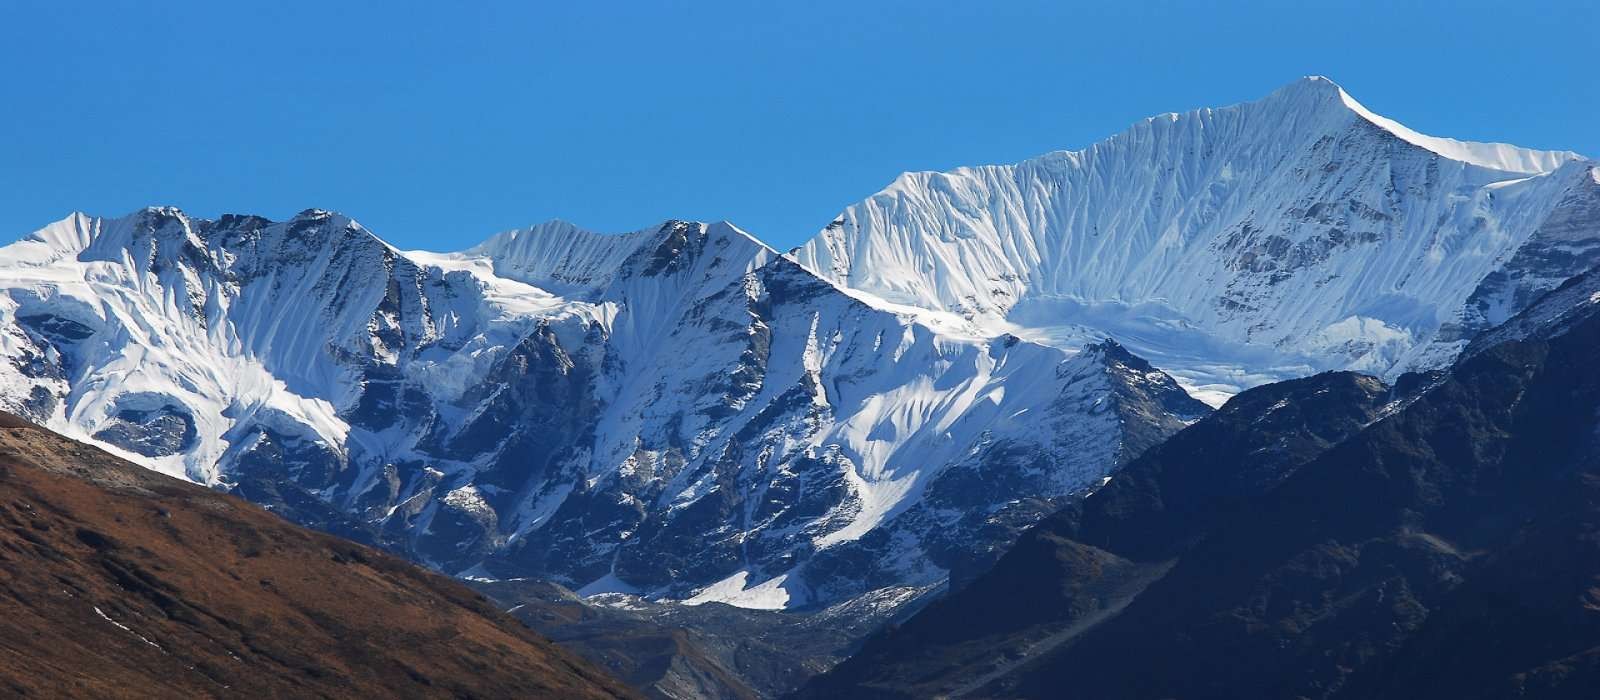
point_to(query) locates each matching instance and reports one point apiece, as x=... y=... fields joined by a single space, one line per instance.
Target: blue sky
x=437 y=124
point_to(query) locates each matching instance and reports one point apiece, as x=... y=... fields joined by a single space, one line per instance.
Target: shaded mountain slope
x=119 y=582
x=1053 y=580
x=1448 y=550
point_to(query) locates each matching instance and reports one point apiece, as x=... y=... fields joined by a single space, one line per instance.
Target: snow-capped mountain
x=678 y=412
x=1233 y=246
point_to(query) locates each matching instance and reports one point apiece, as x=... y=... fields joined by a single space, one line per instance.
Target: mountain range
x=684 y=416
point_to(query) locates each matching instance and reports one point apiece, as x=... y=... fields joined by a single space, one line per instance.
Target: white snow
x=127 y=629
x=767 y=595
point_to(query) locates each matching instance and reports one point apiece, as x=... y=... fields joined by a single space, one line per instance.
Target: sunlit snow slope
x=1234 y=246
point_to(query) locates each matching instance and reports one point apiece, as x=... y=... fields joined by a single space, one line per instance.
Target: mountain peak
x=1313 y=86
x=60 y=239
x=160 y=212
x=1497 y=156
x=726 y=230
x=567 y=259
x=1315 y=94
x=682 y=245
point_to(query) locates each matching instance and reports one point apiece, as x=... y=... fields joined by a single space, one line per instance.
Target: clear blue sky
x=437 y=124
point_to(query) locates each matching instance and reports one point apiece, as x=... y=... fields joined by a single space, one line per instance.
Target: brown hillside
x=119 y=582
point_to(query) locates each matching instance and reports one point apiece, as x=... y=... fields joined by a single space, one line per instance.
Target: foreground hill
x=116 y=581
x=1448 y=549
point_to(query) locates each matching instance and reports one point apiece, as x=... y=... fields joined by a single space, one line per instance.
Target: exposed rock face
x=118 y=580
x=153 y=432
